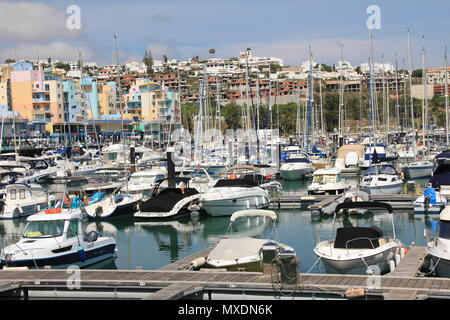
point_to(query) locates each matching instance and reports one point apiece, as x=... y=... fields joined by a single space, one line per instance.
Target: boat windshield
x=44 y=229
x=324 y=178
x=145 y=179
x=380 y=170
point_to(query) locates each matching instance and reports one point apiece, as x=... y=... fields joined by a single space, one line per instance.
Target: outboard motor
x=92 y=236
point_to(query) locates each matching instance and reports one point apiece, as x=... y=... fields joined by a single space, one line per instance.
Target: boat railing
x=9 y=239
x=361 y=238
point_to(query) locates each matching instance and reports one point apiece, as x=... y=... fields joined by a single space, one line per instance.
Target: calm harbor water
x=151 y=245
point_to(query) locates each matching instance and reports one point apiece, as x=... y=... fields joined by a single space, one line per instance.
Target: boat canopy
x=54 y=216
x=356 y=148
x=233 y=249
x=253 y=213
x=235 y=183
x=357 y=237
x=381 y=169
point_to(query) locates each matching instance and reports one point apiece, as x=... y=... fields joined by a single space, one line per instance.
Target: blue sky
x=182 y=29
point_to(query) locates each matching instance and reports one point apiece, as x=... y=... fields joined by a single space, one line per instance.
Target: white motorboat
x=359 y=250
x=231 y=195
x=22 y=200
x=113 y=205
x=56 y=239
x=439 y=247
x=418 y=169
x=296 y=167
x=381 y=179
x=328 y=181
x=430 y=202
x=144 y=182
x=246 y=253
x=169 y=202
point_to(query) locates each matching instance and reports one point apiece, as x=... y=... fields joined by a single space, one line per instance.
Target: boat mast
x=341 y=93
x=310 y=101
x=446 y=95
x=424 y=99
x=410 y=94
x=397 y=105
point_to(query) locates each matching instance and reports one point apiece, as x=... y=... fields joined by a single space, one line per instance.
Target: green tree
x=417 y=73
x=62 y=65
x=326 y=68
x=10 y=61
x=148 y=61
x=231 y=113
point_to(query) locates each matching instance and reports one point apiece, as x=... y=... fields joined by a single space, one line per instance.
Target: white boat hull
x=226 y=207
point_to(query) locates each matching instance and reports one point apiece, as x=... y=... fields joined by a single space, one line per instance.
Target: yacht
x=296 y=167
x=439 y=248
x=169 y=202
x=381 y=179
x=440 y=177
x=328 y=181
x=359 y=250
x=144 y=181
x=230 y=195
x=55 y=238
x=418 y=169
x=22 y=200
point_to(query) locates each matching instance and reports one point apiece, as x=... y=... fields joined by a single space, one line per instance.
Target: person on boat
x=430 y=195
x=67 y=202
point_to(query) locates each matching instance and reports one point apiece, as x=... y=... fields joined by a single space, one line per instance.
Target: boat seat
x=91 y=236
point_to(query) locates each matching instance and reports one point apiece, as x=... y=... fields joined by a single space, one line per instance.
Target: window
x=22 y=194
x=53 y=228
x=72 y=230
x=13 y=194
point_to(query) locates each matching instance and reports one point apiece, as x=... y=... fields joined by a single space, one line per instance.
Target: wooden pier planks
x=411 y=263
x=174 y=291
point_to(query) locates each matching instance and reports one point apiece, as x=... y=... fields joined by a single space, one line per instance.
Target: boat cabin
x=325 y=176
x=18 y=192
x=358 y=238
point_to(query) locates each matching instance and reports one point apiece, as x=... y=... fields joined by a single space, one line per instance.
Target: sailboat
x=421 y=168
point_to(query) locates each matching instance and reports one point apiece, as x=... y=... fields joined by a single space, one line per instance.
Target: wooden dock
x=408 y=267
x=175 y=282
x=317 y=202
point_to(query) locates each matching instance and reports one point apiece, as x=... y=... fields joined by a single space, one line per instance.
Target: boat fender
x=199 y=262
x=391 y=265
x=405 y=251
x=81 y=253
x=397 y=259
x=402 y=252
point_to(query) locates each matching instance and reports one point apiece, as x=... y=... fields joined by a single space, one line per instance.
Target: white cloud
x=56 y=50
x=31 y=21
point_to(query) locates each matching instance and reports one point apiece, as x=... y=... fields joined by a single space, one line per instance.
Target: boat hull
x=358 y=266
x=418 y=172
x=384 y=189
x=92 y=256
x=442 y=269
x=226 y=207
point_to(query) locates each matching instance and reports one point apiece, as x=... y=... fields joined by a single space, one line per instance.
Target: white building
x=377 y=67
x=437 y=75
x=246 y=56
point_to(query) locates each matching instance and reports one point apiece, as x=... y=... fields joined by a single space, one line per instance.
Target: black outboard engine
x=91 y=236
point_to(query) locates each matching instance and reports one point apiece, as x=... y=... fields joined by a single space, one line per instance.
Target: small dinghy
x=55 y=238
x=359 y=250
x=112 y=205
x=430 y=202
x=245 y=254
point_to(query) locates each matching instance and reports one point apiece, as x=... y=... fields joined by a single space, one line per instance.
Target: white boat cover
x=253 y=213
x=233 y=249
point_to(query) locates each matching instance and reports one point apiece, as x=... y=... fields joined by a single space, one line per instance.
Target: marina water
x=149 y=245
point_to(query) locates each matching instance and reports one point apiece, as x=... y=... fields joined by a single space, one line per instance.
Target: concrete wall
x=417 y=91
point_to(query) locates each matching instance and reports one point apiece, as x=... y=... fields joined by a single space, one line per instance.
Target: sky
x=182 y=29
